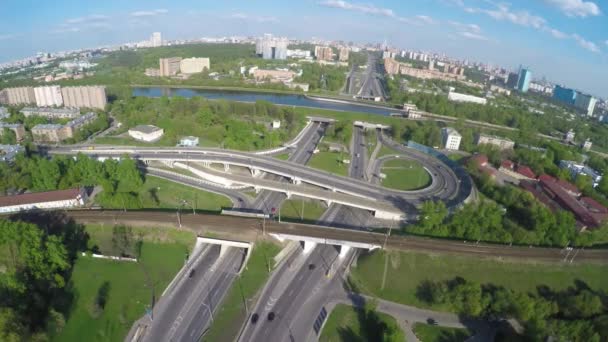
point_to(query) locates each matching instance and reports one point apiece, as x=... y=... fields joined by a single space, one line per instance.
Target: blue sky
x=564 y=40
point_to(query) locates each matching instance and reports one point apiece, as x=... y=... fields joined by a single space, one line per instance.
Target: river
x=246 y=96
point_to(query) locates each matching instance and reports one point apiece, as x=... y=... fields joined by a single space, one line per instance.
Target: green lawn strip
x=291 y=210
x=330 y=162
x=385 y=151
x=346 y=323
x=434 y=333
x=371 y=141
x=406 y=270
x=101 y=237
x=404 y=175
x=158 y=193
x=282 y=156
x=130 y=292
x=228 y=320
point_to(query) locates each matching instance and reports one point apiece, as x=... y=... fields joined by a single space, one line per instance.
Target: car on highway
x=191 y=274
x=271 y=316
x=254 y=318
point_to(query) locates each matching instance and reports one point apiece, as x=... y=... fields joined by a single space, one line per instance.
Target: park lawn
x=385 y=151
x=130 y=291
x=330 y=162
x=291 y=209
x=434 y=333
x=101 y=236
x=406 y=270
x=402 y=174
x=346 y=323
x=228 y=320
x=371 y=141
x=282 y=156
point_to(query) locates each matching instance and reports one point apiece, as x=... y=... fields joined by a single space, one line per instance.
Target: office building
x=450 y=138
x=56 y=199
x=512 y=80
x=48 y=96
x=502 y=143
x=585 y=103
x=51 y=113
x=18 y=96
x=457 y=97
x=147 y=133
x=169 y=66
x=565 y=95
x=156 y=39
x=343 y=54
x=85 y=97
x=270 y=47
x=324 y=53
x=524 y=79
x=188 y=141
x=193 y=65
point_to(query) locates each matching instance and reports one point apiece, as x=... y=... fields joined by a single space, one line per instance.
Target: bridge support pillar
x=257 y=189
x=223 y=250
x=309 y=246
x=344 y=250
x=169 y=163
x=329 y=203
x=226 y=167
x=255 y=172
x=206 y=164
x=288 y=194
x=296 y=180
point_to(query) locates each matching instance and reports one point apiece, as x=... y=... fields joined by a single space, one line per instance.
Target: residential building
x=324 y=53
x=524 y=79
x=85 y=97
x=188 y=141
x=500 y=90
x=520 y=172
x=9 y=152
x=193 y=65
x=270 y=47
x=586 y=146
x=3 y=96
x=48 y=96
x=450 y=138
x=169 y=66
x=4 y=114
x=392 y=67
x=18 y=96
x=46 y=133
x=569 y=136
x=152 y=72
x=343 y=54
x=502 y=143
x=146 y=133
x=585 y=102
x=51 y=113
x=565 y=95
x=72 y=126
x=56 y=199
x=297 y=53
x=457 y=97
x=156 y=39
x=577 y=169
x=274 y=76
x=18 y=129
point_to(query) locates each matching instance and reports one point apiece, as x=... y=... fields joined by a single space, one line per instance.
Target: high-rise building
x=193 y=65
x=524 y=79
x=48 y=96
x=324 y=53
x=87 y=97
x=585 y=102
x=156 y=39
x=450 y=138
x=343 y=55
x=512 y=80
x=565 y=95
x=169 y=66
x=270 y=47
x=17 y=96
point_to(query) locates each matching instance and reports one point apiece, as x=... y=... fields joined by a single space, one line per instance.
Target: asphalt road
x=372 y=85
x=248 y=229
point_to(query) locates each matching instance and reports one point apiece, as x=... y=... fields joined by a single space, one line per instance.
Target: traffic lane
x=276 y=326
x=197 y=318
x=169 y=308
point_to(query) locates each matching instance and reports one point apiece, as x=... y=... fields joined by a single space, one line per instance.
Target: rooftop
x=51 y=110
x=451 y=131
x=47 y=126
x=145 y=128
x=39 y=197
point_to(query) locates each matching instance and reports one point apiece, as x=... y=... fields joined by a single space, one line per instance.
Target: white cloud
x=591 y=46
x=7 y=36
x=503 y=12
x=379 y=11
x=149 y=13
x=468 y=27
x=425 y=19
x=88 y=18
x=606 y=42
x=576 y=8
x=67 y=30
x=259 y=19
x=473 y=35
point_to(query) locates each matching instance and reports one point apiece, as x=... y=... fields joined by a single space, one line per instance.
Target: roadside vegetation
x=346 y=323
x=332 y=162
x=434 y=333
x=241 y=296
x=403 y=174
x=302 y=210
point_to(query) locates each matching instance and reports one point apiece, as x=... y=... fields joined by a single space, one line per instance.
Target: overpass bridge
x=311 y=242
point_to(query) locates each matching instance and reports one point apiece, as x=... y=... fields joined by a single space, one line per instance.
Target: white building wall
x=43 y=205
x=452 y=96
x=194 y=65
x=48 y=96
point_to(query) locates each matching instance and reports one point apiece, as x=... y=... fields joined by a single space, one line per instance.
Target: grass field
x=129 y=287
x=101 y=237
x=158 y=193
x=227 y=321
x=282 y=156
x=385 y=151
x=434 y=333
x=330 y=162
x=291 y=209
x=402 y=174
x=346 y=323
x=407 y=270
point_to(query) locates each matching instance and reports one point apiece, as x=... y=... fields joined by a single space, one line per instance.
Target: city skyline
x=564 y=40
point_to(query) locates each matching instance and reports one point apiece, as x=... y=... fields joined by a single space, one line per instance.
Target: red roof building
x=525 y=171
x=43 y=200
x=507 y=164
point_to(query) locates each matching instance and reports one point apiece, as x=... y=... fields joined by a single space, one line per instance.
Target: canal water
x=245 y=96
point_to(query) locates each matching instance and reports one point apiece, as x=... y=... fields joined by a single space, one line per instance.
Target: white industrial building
x=189 y=141
x=450 y=138
x=146 y=133
x=43 y=200
x=452 y=96
x=193 y=65
x=48 y=96
x=502 y=143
